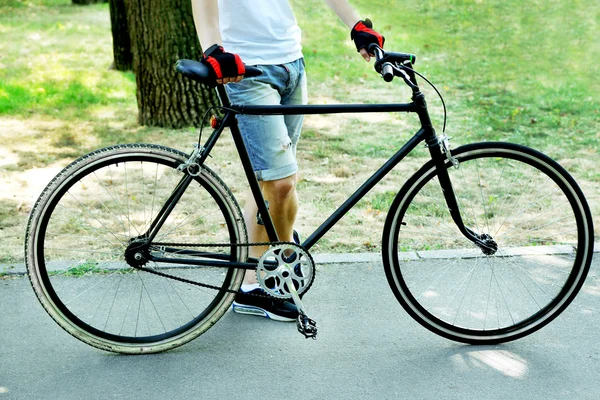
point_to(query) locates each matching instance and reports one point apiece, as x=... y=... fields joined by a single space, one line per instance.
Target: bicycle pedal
x=306 y=326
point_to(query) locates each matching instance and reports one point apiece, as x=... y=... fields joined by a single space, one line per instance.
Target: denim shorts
x=271 y=140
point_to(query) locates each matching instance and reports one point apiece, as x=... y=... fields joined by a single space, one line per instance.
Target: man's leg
x=271 y=144
x=283 y=208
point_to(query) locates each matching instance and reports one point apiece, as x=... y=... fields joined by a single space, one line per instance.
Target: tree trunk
x=123 y=60
x=161 y=32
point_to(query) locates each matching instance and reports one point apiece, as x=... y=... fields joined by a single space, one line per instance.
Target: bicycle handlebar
x=386 y=69
x=384 y=64
x=199 y=72
x=385 y=61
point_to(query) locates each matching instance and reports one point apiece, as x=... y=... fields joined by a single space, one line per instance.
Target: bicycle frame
x=319 y=109
x=425 y=134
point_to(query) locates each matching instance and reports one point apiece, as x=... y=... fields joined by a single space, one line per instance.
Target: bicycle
x=141 y=248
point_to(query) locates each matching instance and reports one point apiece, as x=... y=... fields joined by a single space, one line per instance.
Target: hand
x=363 y=35
x=225 y=67
x=365 y=54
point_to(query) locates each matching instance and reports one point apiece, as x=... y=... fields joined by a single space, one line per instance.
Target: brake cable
x=398 y=68
x=436 y=90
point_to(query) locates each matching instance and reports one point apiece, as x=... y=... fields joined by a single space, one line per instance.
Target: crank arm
x=305 y=325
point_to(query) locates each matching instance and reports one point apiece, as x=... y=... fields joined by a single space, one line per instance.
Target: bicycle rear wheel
x=86 y=218
x=528 y=205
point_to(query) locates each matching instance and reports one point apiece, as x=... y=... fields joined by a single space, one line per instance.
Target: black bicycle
x=140 y=248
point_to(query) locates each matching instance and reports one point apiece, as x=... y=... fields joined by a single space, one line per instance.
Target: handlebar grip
x=376 y=50
x=387 y=72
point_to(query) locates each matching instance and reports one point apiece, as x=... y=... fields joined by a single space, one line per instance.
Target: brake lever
x=404 y=75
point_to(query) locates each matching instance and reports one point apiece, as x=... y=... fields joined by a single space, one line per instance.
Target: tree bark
x=123 y=59
x=161 y=32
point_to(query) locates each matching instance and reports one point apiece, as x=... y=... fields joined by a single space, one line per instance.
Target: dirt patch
x=22 y=141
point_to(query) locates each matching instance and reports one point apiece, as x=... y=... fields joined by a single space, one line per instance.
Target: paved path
x=368 y=348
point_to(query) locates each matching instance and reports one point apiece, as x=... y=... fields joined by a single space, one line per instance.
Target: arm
x=350 y=17
x=345 y=11
x=206 y=19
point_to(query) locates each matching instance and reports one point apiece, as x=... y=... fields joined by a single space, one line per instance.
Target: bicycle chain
x=206 y=285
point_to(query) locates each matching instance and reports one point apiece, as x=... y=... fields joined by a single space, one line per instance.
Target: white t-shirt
x=260 y=31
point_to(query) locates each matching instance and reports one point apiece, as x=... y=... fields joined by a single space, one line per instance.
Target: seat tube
x=248 y=170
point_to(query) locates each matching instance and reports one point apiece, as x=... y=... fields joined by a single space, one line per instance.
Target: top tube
x=321 y=109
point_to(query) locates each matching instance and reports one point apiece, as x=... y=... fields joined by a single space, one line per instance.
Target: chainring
x=274 y=267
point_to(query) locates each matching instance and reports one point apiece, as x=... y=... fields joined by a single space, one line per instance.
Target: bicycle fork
x=442 y=157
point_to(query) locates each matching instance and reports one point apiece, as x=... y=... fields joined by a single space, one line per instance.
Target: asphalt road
x=368 y=348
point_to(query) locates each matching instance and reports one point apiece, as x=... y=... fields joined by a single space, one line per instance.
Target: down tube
x=364 y=189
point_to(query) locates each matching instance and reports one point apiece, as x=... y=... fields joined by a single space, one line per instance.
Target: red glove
x=222 y=64
x=363 y=35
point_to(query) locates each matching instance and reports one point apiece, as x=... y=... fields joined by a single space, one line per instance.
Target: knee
x=281 y=189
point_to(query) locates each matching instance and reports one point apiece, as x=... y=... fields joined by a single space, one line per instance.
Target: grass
x=508 y=71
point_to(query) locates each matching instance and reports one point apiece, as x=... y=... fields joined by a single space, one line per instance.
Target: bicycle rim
x=528 y=205
x=85 y=220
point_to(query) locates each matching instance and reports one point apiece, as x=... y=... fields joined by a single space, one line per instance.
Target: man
x=265 y=33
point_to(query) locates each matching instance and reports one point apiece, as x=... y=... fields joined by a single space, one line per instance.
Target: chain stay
x=206 y=285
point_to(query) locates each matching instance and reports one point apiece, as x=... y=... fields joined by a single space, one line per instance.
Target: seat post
x=223 y=97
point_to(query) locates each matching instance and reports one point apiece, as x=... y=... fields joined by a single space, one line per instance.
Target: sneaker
x=297 y=240
x=272 y=308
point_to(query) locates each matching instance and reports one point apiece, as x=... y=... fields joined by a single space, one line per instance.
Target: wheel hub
x=488 y=245
x=137 y=253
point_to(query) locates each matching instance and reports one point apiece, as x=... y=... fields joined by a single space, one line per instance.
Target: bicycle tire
x=530 y=206
x=81 y=225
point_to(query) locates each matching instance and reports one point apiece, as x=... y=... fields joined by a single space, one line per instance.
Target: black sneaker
x=297 y=240
x=272 y=308
x=292 y=257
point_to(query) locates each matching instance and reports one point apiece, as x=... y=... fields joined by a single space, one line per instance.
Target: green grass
x=383 y=201
x=89 y=268
x=57 y=62
x=509 y=70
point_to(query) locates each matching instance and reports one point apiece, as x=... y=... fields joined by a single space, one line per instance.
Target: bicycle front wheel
x=85 y=220
x=526 y=204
